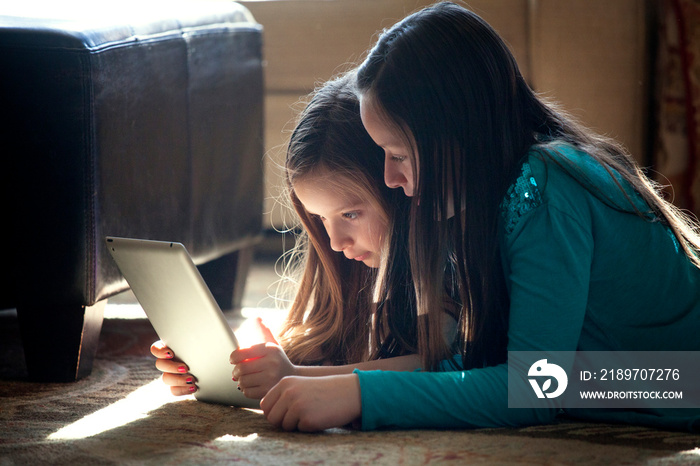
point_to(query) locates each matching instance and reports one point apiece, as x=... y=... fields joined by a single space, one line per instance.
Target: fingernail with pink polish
x=192 y=389
x=189 y=380
x=182 y=369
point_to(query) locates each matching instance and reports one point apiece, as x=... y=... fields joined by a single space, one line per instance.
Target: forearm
x=400 y=363
x=475 y=398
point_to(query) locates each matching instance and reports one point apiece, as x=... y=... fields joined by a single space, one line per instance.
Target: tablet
x=183 y=313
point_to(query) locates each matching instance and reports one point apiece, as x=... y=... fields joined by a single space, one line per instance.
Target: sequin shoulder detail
x=521 y=198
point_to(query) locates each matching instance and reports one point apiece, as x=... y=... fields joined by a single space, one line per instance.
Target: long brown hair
x=447 y=80
x=333 y=316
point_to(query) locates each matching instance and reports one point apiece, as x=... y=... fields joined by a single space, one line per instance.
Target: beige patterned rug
x=122 y=414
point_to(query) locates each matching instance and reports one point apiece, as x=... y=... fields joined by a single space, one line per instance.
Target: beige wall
x=595 y=62
x=590 y=55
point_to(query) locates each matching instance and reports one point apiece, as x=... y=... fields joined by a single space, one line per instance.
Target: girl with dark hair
x=556 y=239
x=340 y=319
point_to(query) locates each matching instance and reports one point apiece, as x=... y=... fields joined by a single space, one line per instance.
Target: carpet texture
x=122 y=414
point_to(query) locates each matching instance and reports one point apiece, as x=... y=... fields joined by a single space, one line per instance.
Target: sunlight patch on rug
x=237 y=438
x=137 y=405
x=683 y=457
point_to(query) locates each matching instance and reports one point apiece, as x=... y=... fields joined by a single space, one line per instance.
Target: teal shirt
x=581 y=275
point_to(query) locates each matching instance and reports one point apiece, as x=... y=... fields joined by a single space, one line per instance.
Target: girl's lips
x=362 y=257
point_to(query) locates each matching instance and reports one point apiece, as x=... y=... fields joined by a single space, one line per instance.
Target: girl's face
x=398 y=167
x=355 y=227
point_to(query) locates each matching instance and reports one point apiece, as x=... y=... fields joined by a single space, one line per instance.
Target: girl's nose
x=340 y=239
x=393 y=177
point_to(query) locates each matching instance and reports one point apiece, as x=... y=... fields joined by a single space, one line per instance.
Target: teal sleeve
x=548 y=265
x=442 y=400
x=547 y=260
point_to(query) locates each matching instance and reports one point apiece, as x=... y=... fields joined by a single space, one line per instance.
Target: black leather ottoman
x=131 y=118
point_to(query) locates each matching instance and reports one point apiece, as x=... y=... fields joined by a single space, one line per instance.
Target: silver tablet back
x=183 y=313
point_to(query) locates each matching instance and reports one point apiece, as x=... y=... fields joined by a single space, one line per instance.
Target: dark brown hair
x=447 y=80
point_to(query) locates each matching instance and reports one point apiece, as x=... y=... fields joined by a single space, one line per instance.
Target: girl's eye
x=351 y=215
x=398 y=158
